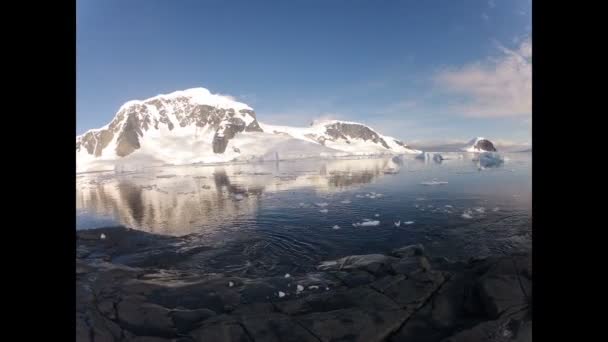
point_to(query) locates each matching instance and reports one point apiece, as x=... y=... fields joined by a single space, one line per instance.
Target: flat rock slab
x=412 y=292
x=353 y=324
x=362 y=297
x=276 y=328
x=354 y=278
x=373 y=263
x=220 y=332
x=145 y=318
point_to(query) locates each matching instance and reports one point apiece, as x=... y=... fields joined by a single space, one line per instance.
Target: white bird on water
x=103 y=236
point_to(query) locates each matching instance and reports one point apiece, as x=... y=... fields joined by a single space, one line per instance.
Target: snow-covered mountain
x=480 y=144
x=196 y=126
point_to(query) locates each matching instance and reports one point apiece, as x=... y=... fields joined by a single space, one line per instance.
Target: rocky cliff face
x=480 y=145
x=191 y=108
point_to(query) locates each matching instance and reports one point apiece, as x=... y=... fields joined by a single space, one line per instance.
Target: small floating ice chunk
x=398 y=223
x=377 y=215
x=323 y=204
x=359 y=196
x=496 y=209
x=345 y=202
x=434 y=182
x=468 y=214
x=448 y=206
x=102 y=236
x=323 y=211
x=313 y=287
x=299 y=288
x=302 y=204
x=238 y=197
x=335 y=227
x=281 y=294
x=327 y=289
x=367 y=223
x=480 y=210
x=230 y=284
x=408 y=222
x=287 y=275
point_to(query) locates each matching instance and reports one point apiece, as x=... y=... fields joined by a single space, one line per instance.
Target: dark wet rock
x=514 y=328
x=253 y=309
x=186 y=320
x=209 y=294
x=362 y=297
x=386 y=282
x=408 y=251
x=407 y=265
x=276 y=328
x=145 y=318
x=358 y=298
x=501 y=293
x=107 y=308
x=150 y=339
x=373 y=263
x=222 y=331
x=412 y=292
x=355 y=278
x=353 y=324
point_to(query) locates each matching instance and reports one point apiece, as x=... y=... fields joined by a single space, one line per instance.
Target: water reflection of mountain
x=195 y=199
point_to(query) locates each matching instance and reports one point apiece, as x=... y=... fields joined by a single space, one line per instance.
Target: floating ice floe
x=238 y=197
x=299 y=288
x=377 y=215
x=102 y=236
x=408 y=222
x=433 y=182
x=480 y=210
x=230 y=284
x=324 y=211
x=359 y=196
x=496 y=209
x=448 y=206
x=366 y=223
x=281 y=294
x=468 y=214
x=489 y=159
x=324 y=204
x=313 y=287
x=335 y=227
x=345 y=202
x=398 y=223
x=287 y=275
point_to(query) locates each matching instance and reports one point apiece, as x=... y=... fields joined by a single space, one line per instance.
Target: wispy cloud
x=497 y=87
x=491 y=3
x=485 y=17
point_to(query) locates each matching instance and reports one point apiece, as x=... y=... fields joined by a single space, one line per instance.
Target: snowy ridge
x=195 y=126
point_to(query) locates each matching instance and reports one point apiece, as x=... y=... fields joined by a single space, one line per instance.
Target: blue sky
x=436 y=70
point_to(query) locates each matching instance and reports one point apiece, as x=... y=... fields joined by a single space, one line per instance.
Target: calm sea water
x=295 y=214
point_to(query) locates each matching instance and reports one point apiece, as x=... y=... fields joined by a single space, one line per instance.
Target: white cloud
x=498 y=87
x=485 y=17
x=491 y=3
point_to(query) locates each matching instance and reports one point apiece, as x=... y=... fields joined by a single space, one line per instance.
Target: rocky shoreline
x=404 y=295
